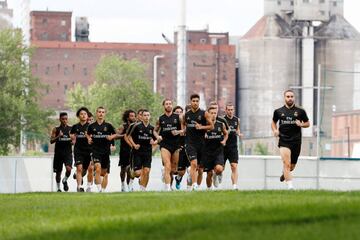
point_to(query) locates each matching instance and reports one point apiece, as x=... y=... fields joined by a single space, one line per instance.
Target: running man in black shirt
x=215 y=141
x=129 y=117
x=63 y=154
x=101 y=136
x=82 y=153
x=126 y=138
x=142 y=137
x=197 y=122
x=231 y=148
x=168 y=127
x=291 y=119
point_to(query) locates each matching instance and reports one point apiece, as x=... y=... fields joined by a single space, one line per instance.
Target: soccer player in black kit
x=231 y=148
x=197 y=122
x=168 y=127
x=82 y=151
x=291 y=119
x=101 y=136
x=215 y=141
x=129 y=117
x=142 y=137
x=63 y=154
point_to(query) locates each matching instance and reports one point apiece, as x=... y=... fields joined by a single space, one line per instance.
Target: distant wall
x=30 y=174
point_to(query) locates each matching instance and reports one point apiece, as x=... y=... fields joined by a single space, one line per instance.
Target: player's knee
x=219 y=169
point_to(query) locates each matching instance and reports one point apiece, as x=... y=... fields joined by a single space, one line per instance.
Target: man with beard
x=291 y=119
x=128 y=118
x=168 y=127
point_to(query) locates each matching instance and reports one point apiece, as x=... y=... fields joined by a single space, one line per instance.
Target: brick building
x=345 y=134
x=61 y=64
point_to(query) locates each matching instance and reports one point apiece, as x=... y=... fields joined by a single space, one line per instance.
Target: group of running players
x=191 y=140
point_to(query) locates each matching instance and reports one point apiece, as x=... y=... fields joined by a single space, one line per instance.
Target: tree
x=19 y=92
x=119 y=85
x=261 y=149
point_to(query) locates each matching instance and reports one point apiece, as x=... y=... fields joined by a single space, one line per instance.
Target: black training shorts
x=295 y=149
x=61 y=159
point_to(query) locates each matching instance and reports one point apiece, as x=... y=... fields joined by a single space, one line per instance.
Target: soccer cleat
x=130 y=186
x=80 y=189
x=282 y=178
x=88 y=189
x=59 y=190
x=177 y=182
x=194 y=187
x=66 y=186
x=123 y=189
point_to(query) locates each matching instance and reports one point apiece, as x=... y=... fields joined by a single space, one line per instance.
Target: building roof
x=269 y=26
x=337 y=28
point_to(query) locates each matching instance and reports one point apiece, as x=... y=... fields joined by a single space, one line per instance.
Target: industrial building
x=61 y=63
x=283 y=50
x=6 y=15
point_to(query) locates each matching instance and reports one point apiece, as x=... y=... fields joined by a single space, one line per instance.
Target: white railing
x=33 y=174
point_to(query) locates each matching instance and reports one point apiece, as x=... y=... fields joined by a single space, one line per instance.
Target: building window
x=63 y=36
x=66 y=71
x=58 y=83
x=334 y=3
x=44 y=21
x=203 y=40
x=47 y=70
x=279 y=2
x=85 y=72
x=63 y=23
x=292 y=3
x=321 y=1
x=73 y=67
x=203 y=75
x=305 y=1
x=322 y=13
x=44 y=36
x=65 y=88
x=58 y=66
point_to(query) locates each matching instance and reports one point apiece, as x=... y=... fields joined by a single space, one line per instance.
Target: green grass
x=182 y=215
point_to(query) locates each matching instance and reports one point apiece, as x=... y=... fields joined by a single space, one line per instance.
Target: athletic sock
x=65 y=179
x=290 y=184
x=234 y=186
x=58 y=185
x=98 y=187
x=167 y=187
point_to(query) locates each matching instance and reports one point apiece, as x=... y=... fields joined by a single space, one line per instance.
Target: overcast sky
x=145 y=20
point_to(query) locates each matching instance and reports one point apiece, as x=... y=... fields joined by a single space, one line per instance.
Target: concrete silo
x=338 y=51
x=268 y=64
x=283 y=49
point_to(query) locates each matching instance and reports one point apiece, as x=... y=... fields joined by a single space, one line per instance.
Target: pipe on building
x=156 y=57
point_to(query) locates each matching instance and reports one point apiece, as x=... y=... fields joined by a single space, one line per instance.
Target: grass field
x=182 y=215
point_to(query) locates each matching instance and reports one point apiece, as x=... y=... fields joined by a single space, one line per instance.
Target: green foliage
x=181 y=215
x=19 y=92
x=261 y=149
x=119 y=85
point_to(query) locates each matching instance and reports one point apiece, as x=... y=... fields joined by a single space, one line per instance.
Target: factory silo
x=338 y=51
x=268 y=64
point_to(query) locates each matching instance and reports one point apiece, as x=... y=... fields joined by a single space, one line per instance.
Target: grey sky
x=145 y=20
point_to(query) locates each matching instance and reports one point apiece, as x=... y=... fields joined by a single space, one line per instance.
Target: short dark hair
x=211 y=108
x=126 y=115
x=289 y=90
x=62 y=114
x=82 y=109
x=145 y=110
x=140 y=111
x=178 y=107
x=229 y=104
x=195 y=95
x=90 y=114
x=165 y=100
